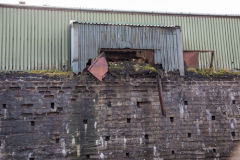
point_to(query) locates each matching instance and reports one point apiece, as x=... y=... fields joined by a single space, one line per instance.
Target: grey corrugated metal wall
x=89 y=38
x=38 y=38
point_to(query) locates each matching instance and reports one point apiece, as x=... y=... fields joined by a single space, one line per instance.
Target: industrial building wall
x=38 y=38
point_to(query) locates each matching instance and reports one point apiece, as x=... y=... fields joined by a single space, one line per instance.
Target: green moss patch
x=131 y=67
x=212 y=72
x=51 y=73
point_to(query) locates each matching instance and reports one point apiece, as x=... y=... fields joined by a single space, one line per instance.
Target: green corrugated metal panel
x=38 y=38
x=33 y=39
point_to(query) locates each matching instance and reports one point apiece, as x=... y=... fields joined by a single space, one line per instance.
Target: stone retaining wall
x=117 y=119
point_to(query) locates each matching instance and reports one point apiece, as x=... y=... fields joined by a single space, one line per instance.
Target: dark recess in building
x=117 y=55
x=4 y=106
x=171 y=119
x=52 y=105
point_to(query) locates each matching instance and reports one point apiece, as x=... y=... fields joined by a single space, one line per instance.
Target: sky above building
x=186 y=6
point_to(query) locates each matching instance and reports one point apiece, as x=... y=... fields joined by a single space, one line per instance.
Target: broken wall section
x=165 y=41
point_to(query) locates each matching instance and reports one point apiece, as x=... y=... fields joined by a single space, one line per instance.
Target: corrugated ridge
x=117 y=24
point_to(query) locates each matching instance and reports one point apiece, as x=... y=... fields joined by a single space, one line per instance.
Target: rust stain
x=161 y=99
x=99 y=67
x=191 y=59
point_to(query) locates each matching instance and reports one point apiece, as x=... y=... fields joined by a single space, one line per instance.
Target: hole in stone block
x=107 y=138
x=233 y=102
x=61 y=92
x=87 y=156
x=26 y=105
x=48 y=96
x=172 y=119
x=138 y=104
x=127 y=154
x=213 y=118
x=214 y=150
x=32 y=123
x=128 y=120
x=4 y=106
x=31 y=158
x=52 y=105
x=53 y=113
x=59 y=109
x=233 y=134
x=85 y=121
x=73 y=99
x=189 y=135
x=146 y=136
x=173 y=152
x=143 y=104
x=14 y=88
x=185 y=102
x=57 y=139
x=109 y=104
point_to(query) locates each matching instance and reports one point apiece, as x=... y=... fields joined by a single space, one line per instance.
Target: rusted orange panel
x=147 y=55
x=191 y=59
x=99 y=67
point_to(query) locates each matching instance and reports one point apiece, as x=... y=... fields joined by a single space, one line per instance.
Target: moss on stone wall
x=50 y=72
x=131 y=67
x=213 y=72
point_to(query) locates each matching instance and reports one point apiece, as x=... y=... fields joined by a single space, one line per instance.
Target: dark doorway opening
x=134 y=55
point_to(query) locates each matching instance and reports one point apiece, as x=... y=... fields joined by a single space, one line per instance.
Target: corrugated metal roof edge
x=117 y=11
x=115 y=24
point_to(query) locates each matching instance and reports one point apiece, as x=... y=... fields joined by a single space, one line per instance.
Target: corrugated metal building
x=38 y=37
x=87 y=40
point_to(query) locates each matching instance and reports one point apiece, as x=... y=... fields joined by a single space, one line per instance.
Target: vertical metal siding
x=33 y=39
x=39 y=38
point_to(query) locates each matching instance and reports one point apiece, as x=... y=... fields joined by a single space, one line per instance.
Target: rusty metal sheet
x=191 y=59
x=99 y=67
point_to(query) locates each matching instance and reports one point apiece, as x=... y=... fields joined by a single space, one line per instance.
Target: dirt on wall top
x=124 y=69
